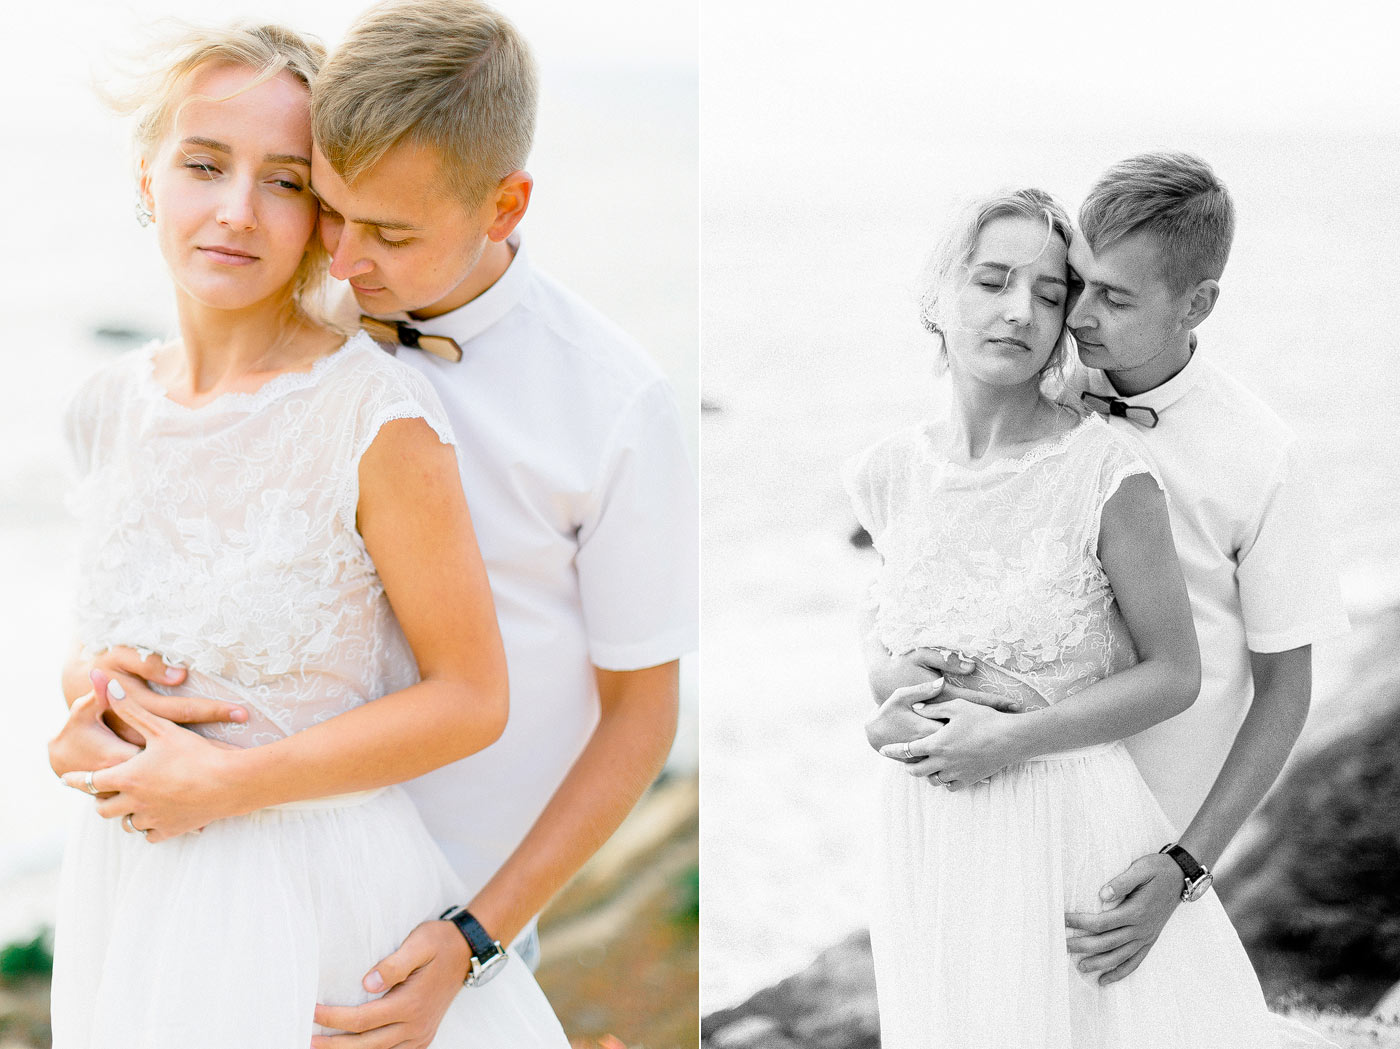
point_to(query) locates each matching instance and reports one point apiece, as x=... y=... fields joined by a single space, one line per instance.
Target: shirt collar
x=472 y=318
x=1159 y=398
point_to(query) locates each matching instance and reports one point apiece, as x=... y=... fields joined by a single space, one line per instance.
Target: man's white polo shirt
x=1255 y=554
x=585 y=507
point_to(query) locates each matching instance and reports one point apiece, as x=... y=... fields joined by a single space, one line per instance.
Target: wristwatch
x=1198 y=878
x=488 y=956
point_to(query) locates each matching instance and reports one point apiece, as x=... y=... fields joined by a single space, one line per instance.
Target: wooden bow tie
x=1106 y=405
x=401 y=333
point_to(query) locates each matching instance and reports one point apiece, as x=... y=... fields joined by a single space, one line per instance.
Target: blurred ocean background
x=834 y=145
x=614 y=215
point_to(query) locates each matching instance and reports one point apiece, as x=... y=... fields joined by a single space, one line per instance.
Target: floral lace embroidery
x=999 y=565
x=224 y=537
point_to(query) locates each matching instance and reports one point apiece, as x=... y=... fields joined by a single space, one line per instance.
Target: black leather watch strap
x=487 y=954
x=1190 y=868
x=1196 y=877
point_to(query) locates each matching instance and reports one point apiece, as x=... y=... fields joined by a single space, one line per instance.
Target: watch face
x=1197 y=888
x=485 y=971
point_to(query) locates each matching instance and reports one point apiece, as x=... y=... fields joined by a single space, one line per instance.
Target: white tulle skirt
x=228 y=938
x=970 y=893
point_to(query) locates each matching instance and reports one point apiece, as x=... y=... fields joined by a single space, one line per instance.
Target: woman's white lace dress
x=223 y=537
x=971 y=888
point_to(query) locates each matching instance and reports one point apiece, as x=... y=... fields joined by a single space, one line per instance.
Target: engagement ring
x=128 y=826
x=88 y=784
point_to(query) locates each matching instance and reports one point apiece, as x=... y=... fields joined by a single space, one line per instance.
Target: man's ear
x=1202 y=301
x=512 y=200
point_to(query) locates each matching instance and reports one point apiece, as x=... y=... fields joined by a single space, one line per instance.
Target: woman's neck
x=223 y=351
x=987 y=421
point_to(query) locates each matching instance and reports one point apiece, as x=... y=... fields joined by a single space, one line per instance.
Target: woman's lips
x=1007 y=341
x=228 y=256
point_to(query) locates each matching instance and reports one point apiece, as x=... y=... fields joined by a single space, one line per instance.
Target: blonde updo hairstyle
x=946 y=272
x=154 y=97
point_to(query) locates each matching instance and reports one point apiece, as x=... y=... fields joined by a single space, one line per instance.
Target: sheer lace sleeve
x=871 y=480
x=389 y=390
x=95 y=403
x=1121 y=459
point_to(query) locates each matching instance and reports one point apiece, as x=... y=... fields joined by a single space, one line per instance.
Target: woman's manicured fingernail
x=172 y=674
x=1106 y=893
x=374 y=982
x=96 y=677
x=920 y=705
x=238 y=714
x=115 y=690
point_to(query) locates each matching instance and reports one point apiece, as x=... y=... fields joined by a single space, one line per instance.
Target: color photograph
x=468 y=564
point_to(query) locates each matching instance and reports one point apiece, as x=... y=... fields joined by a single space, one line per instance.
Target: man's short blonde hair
x=451 y=74
x=1178 y=199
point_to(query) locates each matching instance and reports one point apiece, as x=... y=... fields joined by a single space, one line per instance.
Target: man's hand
x=422 y=978
x=137 y=671
x=176 y=784
x=86 y=742
x=974 y=742
x=888 y=674
x=1115 y=941
x=897 y=721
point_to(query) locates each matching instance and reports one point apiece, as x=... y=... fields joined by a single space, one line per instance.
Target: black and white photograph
x=1049 y=489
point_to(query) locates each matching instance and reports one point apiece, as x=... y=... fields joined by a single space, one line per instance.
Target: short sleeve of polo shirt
x=638 y=553
x=1290 y=595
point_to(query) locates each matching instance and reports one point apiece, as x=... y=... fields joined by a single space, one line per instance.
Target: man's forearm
x=635 y=729
x=1282 y=692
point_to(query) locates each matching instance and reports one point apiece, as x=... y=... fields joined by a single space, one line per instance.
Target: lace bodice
x=223 y=537
x=1000 y=564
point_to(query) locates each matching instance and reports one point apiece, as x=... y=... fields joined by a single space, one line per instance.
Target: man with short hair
x=572 y=463
x=1155 y=235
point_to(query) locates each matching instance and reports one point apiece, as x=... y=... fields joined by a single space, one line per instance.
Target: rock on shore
x=829 y=1005
x=1314 y=886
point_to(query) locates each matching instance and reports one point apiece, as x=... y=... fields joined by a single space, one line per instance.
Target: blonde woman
x=278 y=509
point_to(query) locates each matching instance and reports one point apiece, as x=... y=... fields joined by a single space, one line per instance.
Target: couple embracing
x=1090 y=636
x=467 y=562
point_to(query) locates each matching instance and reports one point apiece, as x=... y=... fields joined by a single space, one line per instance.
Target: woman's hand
x=86 y=742
x=973 y=742
x=178 y=783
